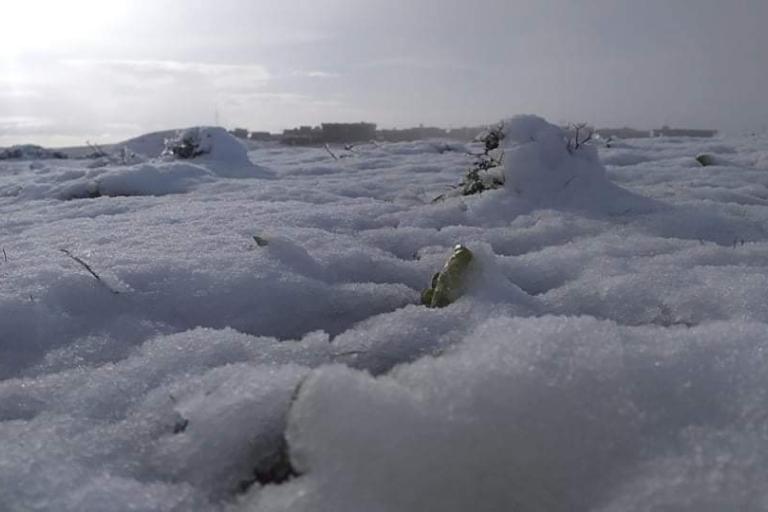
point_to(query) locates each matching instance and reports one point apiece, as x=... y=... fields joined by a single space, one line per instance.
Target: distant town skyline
x=107 y=70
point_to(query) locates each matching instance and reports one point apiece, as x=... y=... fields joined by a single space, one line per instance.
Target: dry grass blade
x=328 y=149
x=87 y=267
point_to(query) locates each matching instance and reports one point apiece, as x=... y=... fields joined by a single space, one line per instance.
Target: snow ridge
x=259 y=343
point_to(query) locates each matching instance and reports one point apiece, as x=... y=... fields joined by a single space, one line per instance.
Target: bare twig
x=576 y=142
x=90 y=270
x=328 y=149
x=100 y=153
x=586 y=139
x=96 y=149
x=82 y=263
x=5 y=256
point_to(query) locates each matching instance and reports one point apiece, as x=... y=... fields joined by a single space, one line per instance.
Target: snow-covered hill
x=229 y=334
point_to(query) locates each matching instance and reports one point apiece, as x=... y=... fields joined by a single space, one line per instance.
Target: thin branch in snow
x=328 y=149
x=577 y=142
x=89 y=269
x=350 y=353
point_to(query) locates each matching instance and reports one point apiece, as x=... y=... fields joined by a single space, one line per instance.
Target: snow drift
x=30 y=152
x=129 y=172
x=216 y=149
x=543 y=167
x=606 y=357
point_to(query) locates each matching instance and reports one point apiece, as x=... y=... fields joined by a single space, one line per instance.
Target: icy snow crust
x=610 y=354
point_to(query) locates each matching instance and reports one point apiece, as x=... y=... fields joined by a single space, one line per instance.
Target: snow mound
x=30 y=152
x=215 y=148
x=154 y=180
x=150 y=145
x=542 y=167
x=625 y=158
x=159 y=422
x=157 y=179
x=539 y=414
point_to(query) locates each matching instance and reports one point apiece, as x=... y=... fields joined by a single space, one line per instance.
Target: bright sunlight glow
x=44 y=25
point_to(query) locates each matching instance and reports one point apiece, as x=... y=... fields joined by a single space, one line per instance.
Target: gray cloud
x=270 y=65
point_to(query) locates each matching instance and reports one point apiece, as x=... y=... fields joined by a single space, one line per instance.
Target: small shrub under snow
x=216 y=148
x=189 y=144
x=546 y=166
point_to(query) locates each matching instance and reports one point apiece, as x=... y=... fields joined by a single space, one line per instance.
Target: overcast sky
x=104 y=70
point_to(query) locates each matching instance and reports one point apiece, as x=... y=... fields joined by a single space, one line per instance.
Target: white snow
x=609 y=354
x=220 y=152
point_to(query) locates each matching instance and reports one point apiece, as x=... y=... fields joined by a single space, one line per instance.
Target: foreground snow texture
x=610 y=355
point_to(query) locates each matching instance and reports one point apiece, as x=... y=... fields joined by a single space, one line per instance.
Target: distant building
x=348 y=132
x=240 y=133
x=464 y=134
x=409 y=134
x=302 y=136
x=345 y=133
x=666 y=131
x=261 y=136
x=623 y=133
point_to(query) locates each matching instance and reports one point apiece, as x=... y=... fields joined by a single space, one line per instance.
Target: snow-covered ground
x=610 y=353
